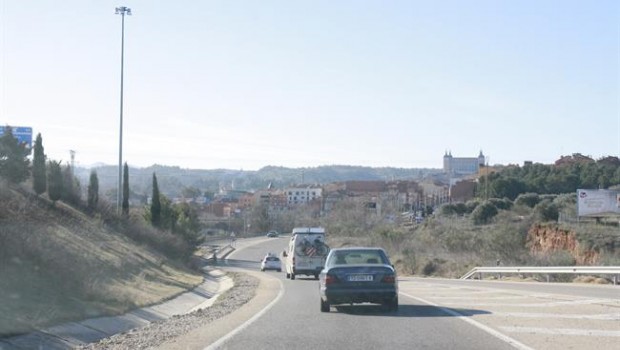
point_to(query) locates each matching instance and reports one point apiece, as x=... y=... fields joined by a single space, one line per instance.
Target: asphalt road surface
x=295 y=321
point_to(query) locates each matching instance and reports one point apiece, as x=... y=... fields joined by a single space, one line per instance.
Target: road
x=433 y=314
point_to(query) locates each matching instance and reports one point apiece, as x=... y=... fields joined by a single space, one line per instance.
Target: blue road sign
x=23 y=134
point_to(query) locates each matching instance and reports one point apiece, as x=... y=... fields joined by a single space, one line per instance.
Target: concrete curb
x=72 y=334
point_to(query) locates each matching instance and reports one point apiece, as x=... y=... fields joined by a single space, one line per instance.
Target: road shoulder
x=200 y=338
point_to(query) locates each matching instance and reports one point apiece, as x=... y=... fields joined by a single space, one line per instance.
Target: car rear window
x=357 y=257
x=273 y=258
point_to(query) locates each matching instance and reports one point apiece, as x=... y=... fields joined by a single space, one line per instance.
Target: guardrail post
x=615 y=280
x=548 y=278
x=480 y=276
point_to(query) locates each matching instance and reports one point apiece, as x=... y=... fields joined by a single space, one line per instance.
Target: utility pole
x=121 y=11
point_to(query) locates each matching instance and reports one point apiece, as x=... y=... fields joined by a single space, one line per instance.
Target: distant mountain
x=172 y=179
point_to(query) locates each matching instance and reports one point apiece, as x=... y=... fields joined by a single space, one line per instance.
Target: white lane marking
x=513 y=342
x=244 y=325
x=563 y=331
x=507 y=297
x=602 y=317
x=548 y=304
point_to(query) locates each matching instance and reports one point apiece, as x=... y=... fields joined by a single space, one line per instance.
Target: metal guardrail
x=580 y=270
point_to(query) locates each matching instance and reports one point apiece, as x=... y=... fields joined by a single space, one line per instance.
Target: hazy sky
x=245 y=84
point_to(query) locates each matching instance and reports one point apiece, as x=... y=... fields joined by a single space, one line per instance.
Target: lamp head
x=123 y=11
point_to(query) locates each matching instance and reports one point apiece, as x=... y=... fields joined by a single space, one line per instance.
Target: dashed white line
x=513 y=342
x=547 y=304
x=602 y=317
x=563 y=331
x=507 y=297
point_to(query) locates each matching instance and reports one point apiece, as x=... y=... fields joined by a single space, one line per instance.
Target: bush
x=447 y=210
x=484 y=213
x=528 y=199
x=472 y=205
x=429 y=268
x=452 y=209
x=547 y=211
x=503 y=204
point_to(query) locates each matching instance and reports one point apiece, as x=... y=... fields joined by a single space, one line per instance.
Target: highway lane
x=540 y=315
x=569 y=289
x=295 y=321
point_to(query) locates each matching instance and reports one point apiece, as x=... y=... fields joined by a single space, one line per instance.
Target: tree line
x=512 y=181
x=59 y=183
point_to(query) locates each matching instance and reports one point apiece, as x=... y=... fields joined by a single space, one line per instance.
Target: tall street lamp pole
x=121 y=11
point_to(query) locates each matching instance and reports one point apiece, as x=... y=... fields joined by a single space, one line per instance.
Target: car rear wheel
x=288 y=275
x=316 y=276
x=324 y=305
x=392 y=305
x=292 y=276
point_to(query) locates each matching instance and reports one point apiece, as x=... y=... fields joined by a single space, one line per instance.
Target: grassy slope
x=58 y=264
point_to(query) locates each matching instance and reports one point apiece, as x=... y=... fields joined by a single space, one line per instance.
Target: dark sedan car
x=358 y=275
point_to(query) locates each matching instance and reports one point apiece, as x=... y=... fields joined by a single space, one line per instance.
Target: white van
x=306 y=252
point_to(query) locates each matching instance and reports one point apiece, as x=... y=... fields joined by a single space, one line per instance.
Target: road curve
x=295 y=322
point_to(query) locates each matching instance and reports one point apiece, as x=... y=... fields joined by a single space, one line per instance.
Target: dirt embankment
x=547 y=239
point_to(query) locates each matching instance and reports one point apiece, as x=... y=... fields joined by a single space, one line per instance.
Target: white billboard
x=598 y=202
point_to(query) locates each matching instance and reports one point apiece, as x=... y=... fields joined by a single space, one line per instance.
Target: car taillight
x=388 y=279
x=330 y=279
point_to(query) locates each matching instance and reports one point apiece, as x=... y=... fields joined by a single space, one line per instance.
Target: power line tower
x=72 y=153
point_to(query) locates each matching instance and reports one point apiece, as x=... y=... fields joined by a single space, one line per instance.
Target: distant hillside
x=172 y=180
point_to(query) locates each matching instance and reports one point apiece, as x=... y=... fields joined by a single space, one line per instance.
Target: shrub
x=472 y=205
x=429 y=268
x=547 y=211
x=528 y=199
x=484 y=213
x=503 y=204
x=452 y=209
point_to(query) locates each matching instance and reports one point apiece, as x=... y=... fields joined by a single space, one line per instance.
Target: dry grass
x=591 y=280
x=58 y=264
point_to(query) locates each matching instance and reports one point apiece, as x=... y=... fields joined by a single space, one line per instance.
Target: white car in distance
x=271 y=262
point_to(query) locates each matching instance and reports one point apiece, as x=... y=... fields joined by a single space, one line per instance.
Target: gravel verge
x=156 y=333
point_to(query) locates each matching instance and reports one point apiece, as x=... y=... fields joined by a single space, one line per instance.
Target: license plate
x=360 y=278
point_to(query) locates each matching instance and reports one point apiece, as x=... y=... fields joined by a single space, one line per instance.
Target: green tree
x=155 y=204
x=507 y=187
x=54 y=180
x=169 y=216
x=188 y=225
x=260 y=218
x=93 y=190
x=39 y=176
x=125 y=204
x=191 y=192
x=14 y=163
x=71 y=192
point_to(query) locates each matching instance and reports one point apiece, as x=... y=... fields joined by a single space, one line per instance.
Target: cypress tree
x=125 y=204
x=93 y=190
x=39 y=176
x=54 y=181
x=155 y=204
x=14 y=163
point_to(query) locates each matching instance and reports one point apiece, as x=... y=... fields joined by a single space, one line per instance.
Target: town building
x=459 y=166
x=303 y=194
